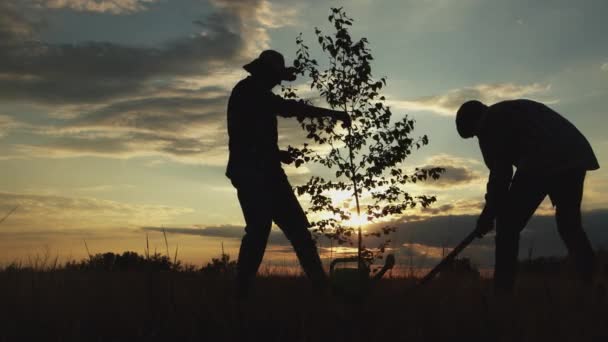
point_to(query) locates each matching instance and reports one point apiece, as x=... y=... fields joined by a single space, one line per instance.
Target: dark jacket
x=532 y=137
x=252 y=129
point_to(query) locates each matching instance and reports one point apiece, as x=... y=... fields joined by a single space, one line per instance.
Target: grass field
x=69 y=304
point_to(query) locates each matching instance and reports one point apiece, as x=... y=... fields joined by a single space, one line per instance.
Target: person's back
x=534 y=137
x=252 y=129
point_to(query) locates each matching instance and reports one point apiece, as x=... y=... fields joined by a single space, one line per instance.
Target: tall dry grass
x=58 y=303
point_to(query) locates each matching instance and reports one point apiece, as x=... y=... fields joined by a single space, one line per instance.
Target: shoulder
x=499 y=117
x=243 y=94
x=243 y=85
x=517 y=105
x=512 y=109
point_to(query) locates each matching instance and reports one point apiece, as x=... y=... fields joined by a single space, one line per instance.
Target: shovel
x=449 y=258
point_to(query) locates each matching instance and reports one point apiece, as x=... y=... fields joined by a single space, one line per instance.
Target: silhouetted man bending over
x=551 y=157
x=254 y=167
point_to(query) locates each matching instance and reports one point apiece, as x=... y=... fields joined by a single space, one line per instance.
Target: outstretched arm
x=290 y=108
x=318 y=112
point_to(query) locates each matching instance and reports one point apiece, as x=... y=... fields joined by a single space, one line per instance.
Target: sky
x=112 y=114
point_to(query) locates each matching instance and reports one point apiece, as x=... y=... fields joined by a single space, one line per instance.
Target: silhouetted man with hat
x=254 y=168
x=551 y=157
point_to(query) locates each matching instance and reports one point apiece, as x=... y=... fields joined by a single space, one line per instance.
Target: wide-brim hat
x=271 y=62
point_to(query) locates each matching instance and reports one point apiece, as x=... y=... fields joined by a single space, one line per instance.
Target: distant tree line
x=132 y=262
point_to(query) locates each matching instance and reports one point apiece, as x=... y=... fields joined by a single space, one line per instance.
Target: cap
x=467 y=118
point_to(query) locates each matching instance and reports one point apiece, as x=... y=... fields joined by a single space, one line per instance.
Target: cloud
x=15 y=26
x=105 y=187
x=438 y=210
x=225 y=231
x=90 y=72
x=97 y=6
x=458 y=171
x=422 y=251
x=297 y=176
x=7 y=123
x=594 y=196
x=186 y=128
x=273 y=15
x=37 y=212
x=423 y=240
x=605 y=66
x=454 y=175
x=95 y=72
x=427 y=236
x=184 y=150
x=172 y=113
x=448 y=104
x=124 y=101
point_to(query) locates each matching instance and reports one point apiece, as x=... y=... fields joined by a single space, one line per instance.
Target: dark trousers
x=527 y=191
x=263 y=200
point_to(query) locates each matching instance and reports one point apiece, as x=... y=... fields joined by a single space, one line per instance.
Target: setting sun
x=356 y=220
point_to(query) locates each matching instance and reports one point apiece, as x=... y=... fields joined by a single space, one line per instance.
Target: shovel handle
x=448 y=259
